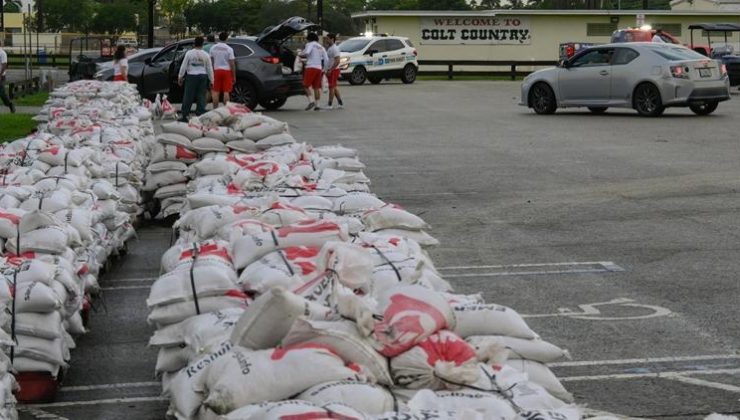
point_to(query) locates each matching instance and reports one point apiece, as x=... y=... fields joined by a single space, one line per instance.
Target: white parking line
x=96 y=402
x=666 y=375
x=109 y=386
x=40 y=414
x=702 y=382
x=643 y=361
x=605 y=264
x=515 y=269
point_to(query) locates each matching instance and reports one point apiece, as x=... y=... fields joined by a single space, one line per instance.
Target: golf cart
x=86 y=52
x=725 y=52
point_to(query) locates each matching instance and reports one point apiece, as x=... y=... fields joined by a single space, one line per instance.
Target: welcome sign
x=490 y=30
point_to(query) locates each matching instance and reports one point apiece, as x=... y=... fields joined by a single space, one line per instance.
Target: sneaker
x=311 y=106
x=12 y=108
x=340 y=106
x=318 y=108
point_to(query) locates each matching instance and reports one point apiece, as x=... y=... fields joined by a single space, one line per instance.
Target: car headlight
x=344 y=60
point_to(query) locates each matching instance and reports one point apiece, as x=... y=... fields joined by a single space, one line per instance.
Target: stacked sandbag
x=69 y=196
x=8 y=384
x=304 y=263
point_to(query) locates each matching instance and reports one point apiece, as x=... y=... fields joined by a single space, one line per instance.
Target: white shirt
x=657 y=38
x=222 y=54
x=117 y=66
x=315 y=55
x=3 y=60
x=332 y=53
x=196 y=62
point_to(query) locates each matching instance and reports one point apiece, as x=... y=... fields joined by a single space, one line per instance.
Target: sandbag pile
x=8 y=384
x=69 y=195
x=292 y=292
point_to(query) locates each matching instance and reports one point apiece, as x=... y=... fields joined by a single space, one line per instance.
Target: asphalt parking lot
x=617 y=236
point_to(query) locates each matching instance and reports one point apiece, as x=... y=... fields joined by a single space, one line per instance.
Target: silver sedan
x=645 y=76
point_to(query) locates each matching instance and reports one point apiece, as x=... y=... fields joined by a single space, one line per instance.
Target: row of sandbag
x=292 y=291
x=69 y=194
x=229 y=129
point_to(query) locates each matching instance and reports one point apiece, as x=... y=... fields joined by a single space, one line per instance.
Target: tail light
x=416 y=53
x=271 y=60
x=679 y=72
x=722 y=70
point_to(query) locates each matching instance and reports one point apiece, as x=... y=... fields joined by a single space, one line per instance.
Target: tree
x=69 y=15
x=443 y=5
x=12 y=7
x=393 y=5
x=115 y=17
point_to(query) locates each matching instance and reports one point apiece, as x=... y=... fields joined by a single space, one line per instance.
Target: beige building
x=535 y=34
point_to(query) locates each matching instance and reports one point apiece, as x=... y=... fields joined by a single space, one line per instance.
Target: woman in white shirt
x=120 y=65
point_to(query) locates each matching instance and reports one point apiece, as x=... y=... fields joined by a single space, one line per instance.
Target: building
x=533 y=34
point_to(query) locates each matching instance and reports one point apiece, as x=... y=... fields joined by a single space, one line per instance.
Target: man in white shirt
x=224 y=69
x=332 y=69
x=196 y=72
x=657 y=37
x=313 y=71
x=3 y=71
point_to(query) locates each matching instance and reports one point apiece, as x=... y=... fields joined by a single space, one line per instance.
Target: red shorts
x=312 y=78
x=223 y=81
x=333 y=77
x=119 y=78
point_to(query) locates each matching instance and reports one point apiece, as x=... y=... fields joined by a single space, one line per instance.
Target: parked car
x=135 y=64
x=376 y=58
x=645 y=76
x=264 y=68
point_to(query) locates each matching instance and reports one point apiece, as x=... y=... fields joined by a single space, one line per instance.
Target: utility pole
x=2 y=20
x=320 y=15
x=150 y=27
x=40 y=15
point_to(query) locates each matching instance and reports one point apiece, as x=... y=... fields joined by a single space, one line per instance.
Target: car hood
x=285 y=30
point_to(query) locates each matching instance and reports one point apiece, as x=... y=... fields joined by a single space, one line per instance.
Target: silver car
x=642 y=75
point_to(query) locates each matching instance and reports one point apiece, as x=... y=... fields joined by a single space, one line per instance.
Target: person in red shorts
x=313 y=71
x=120 y=65
x=332 y=69
x=224 y=69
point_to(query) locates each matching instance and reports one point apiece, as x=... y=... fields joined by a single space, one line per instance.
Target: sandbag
x=490 y=319
x=520 y=348
x=364 y=397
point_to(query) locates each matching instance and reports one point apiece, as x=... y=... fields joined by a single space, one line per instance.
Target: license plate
x=705 y=72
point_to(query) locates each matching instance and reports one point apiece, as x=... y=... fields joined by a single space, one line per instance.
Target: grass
x=15 y=126
x=34 y=99
x=457 y=78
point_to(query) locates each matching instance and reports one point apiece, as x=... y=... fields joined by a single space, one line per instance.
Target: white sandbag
x=351 y=264
x=409 y=314
x=50 y=202
x=391 y=216
x=357 y=202
x=171 y=359
x=189 y=130
x=526 y=394
x=205 y=145
x=419 y=236
x=164 y=152
x=520 y=348
x=264 y=129
x=542 y=375
x=174 y=140
x=10 y=221
x=274 y=140
x=223 y=134
x=184 y=283
x=335 y=151
x=198 y=329
x=162 y=179
x=490 y=319
x=248 y=377
x=287 y=268
x=250 y=248
x=47 y=325
x=270 y=317
x=441 y=361
x=41 y=349
x=25 y=364
x=364 y=397
x=294 y=409
x=206 y=221
x=344 y=338
x=212 y=252
x=410 y=414
x=171 y=191
x=243 y=145
x=488 y=405
x=178 y=312
x=32 y=297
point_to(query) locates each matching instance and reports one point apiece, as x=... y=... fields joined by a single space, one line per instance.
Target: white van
x=375 y=58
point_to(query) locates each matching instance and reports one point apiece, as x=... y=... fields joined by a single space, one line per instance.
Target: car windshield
x=353 y=45
x=678 y=54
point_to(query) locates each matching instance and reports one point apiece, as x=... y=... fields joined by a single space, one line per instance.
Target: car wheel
x=647 y=100
x=704 y=108
x=409 y=74
x=273 y=103
x=597 y=109
x=374 y=79
x=358 y=76
x=244 y=93
x=542 y=99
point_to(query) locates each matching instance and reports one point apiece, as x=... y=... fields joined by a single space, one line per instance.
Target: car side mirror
x=148 y=61
x=563 y=63
x=371 y=52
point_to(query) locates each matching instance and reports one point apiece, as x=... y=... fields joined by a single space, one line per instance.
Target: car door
x=374 y=54
x=154 y=77
x=174 y=90
x=395 y=55
x=623 y=75
x=586 y=79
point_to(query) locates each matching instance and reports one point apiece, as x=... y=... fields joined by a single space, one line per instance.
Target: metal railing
x=512 y=71
x=39 y=60
x=20 y=88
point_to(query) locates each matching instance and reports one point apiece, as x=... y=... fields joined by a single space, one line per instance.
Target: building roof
x=539 y=12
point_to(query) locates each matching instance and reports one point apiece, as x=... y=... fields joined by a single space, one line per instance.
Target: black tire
x=647 y=101
x=542 y=99
x=704 y=108
x=598 y=109
x=273 y=103
x=244 y=93
x=408 y=75
x=374 y=79
x=358 y=76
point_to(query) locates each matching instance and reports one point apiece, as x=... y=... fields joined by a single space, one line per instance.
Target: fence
x=24 y=87
x=39 y=60
x=511 y=66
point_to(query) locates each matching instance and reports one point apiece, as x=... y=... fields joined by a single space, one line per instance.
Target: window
x=672 y=28
x=592 y=58
x=624 y=56
x=393 y=45
x=241 y=50
x=678 y=54
x=353 y=45
x=166 y=55
x=409 y=43
x=600 y=29
x=378 y=46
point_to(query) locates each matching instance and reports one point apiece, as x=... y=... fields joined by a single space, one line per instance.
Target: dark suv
x=264 y=68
